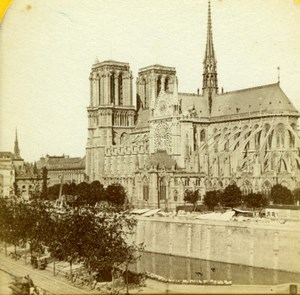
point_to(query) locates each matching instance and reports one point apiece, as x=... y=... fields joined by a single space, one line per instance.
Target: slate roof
x=266 y=98
x=57 y=163
x=188 y=101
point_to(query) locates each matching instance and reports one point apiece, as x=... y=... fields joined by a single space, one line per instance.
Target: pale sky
x=48 y=47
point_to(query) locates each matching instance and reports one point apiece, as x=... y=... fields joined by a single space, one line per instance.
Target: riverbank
x=56 y=285
x=256 y=244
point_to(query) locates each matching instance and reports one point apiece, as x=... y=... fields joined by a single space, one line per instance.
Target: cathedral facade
x=167 y=141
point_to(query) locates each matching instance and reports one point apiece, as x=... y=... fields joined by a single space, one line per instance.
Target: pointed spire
x=16 y=147
x=210 y=80
x=209 y=53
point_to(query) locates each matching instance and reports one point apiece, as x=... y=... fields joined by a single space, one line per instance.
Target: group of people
x=24 y=286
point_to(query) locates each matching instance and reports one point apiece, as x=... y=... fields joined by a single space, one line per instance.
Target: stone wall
x=272 y=246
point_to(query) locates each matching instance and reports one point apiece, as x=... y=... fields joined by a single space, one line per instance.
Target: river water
x=182 y=268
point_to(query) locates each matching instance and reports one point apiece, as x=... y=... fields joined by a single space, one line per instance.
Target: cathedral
x=166 y=141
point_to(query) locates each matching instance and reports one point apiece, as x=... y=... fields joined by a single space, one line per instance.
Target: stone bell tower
x=153 y=79
x=111 y=111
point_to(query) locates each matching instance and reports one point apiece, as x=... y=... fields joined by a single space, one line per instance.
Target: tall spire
x=210 y=80
x=16 y=147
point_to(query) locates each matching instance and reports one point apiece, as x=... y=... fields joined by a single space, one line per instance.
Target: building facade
x=168 y=141
x=63 y=168
x=18 y=177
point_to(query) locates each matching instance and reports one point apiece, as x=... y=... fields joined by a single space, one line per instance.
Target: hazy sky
x=47 y=49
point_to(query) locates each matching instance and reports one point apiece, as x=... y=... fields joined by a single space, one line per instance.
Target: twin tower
x=113 y=114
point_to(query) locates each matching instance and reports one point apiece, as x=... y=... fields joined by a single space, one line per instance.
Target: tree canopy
x=98 y=239
x=255 y=200
x=115 y=194
x=231 y=196
x=191 y=197
x=281 y=195
x=212 y=199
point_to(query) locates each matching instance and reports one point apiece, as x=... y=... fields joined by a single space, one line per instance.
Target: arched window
x=246 y=188
x=145 y=104
x=167 y=84
x=175 y=194
x=187 y=182
x=266 y=188
x=123 y=138
x=112 y=88
x=202 y=135
x=145 y=189
x=158 y=85
x=162 y=189
x=280 y=135
x=120 y=80
x=195 y=137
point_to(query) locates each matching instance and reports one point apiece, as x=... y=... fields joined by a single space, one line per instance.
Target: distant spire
x=210 y=80
x=96 y=60
x=16 y=147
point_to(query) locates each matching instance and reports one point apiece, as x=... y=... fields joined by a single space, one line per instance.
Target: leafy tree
x=44 y=183
x=255 y=200
x=83 y=192
x=281 y=195
x=115 y=194
x=73 y=189
x=53 y=191
x=40 y=231
x=296 y=194
x=96 y=192
x=191 y=197
x=231 y=196
x=212 y=199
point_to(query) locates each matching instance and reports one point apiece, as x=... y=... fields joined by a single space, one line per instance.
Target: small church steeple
x=16 y=147
x=210 y=80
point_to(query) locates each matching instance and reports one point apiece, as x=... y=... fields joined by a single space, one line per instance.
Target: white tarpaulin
x=151 y=212
x=139 y=211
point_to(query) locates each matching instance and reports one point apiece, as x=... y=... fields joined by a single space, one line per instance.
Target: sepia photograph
x=149 y=147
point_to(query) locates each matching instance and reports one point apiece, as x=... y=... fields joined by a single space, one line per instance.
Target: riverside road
x=55 y=285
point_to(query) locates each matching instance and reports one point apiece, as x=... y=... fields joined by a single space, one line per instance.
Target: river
x=182 y=268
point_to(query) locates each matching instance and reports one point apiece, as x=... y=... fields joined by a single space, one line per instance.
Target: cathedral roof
x=190 y=101
x=266 y=98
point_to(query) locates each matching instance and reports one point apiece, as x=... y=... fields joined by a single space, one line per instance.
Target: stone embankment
x=267 y=245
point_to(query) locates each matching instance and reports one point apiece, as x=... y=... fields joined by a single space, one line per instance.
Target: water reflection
x=181 y=268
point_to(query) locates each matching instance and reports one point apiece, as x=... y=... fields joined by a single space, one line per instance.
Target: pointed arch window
x=166 y=84
x=120 y=80
x=158 y=85
x=112 y=88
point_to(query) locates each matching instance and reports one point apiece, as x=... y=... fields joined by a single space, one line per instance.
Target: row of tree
x=232 y=196
x=89 y=193
x=97 y=239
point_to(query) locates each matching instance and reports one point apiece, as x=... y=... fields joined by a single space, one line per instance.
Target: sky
x=47 y=49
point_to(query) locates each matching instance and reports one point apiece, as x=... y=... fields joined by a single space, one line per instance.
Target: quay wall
x=272 y=246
